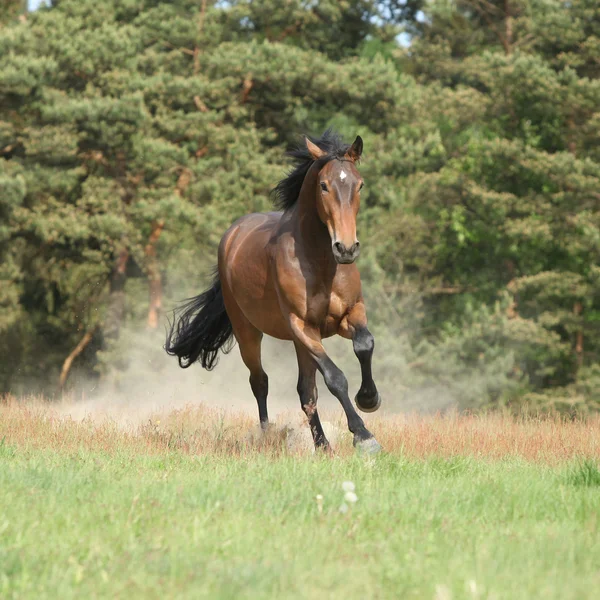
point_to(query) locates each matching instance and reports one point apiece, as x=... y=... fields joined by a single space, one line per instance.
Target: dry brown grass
x=37 y=423
x=545 y=438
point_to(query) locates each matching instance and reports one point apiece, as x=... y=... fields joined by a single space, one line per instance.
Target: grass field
x=193 y=504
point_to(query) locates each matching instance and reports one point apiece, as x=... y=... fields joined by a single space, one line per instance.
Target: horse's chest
x=337 y=307
x=331 y=314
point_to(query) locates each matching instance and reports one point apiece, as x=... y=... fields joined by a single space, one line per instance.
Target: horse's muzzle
x=344 y=255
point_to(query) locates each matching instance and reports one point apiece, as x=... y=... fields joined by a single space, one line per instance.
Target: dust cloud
x=153 y=383
x=148 y=383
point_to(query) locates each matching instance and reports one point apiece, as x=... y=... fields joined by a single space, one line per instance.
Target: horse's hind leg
x=250 y=342
x=307 y=390
x=249 y=339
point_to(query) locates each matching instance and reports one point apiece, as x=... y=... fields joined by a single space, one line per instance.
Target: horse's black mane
x=286 y=192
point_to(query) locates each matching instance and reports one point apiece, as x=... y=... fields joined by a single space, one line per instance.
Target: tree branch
x=85 y=340
x=247 y=88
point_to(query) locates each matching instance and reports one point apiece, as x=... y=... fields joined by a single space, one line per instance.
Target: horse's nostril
x=355 y=247
x=339 y=247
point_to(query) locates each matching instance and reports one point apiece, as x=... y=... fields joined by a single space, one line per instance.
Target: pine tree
x=517 y=200
x=137 y=132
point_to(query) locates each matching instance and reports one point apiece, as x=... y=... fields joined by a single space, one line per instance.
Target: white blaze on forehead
x=343 y=175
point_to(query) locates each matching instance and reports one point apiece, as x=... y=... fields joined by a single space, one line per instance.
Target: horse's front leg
x=354 y=326
x=307 y=390
x=309 y=337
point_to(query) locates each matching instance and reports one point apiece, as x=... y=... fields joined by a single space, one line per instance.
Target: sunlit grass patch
x=201 y=429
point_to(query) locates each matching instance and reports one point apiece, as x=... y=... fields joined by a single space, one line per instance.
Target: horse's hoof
x=368 y=408
x=368 y=446
x=324 y=450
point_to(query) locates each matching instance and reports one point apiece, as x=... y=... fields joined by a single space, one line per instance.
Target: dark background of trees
x=133 y=132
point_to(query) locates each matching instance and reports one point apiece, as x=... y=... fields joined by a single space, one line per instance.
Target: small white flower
x=350 y=497
x=344 y=508
x=348 y=486
x=319 y=499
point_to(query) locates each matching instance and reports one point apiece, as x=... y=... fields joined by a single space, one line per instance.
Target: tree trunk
x=154 y=279
x=578 y=309
x=116 y=300
x=508 y=27
x=571 y=133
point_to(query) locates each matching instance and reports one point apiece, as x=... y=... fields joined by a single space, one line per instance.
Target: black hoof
x=368 y=405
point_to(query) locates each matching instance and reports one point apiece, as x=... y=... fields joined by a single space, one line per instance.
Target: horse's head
x=338 y=199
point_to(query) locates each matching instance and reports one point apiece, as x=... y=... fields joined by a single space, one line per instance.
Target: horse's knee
x=364 y=344
x=307 y=392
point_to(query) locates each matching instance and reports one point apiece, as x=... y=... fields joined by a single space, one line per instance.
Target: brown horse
x=291 y=275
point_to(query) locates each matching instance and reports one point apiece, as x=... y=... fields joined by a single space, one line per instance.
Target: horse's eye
x=361 y=186
x=323 y=186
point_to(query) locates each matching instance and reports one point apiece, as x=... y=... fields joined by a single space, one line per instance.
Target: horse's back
x=251 y=231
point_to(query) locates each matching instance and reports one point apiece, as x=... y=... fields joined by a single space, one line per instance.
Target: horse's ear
x=356 y=149
x=314 y=150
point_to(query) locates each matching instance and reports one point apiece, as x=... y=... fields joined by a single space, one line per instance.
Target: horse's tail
x=200 y=329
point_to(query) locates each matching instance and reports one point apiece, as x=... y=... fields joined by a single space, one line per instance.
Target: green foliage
x=134 y=133
x=11 y=10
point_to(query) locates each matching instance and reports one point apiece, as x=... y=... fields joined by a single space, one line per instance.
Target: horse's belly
x=244 y=265
x=260 y=306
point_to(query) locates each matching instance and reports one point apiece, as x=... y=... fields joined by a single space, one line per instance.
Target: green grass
x=88 y=524
x=585 y=473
